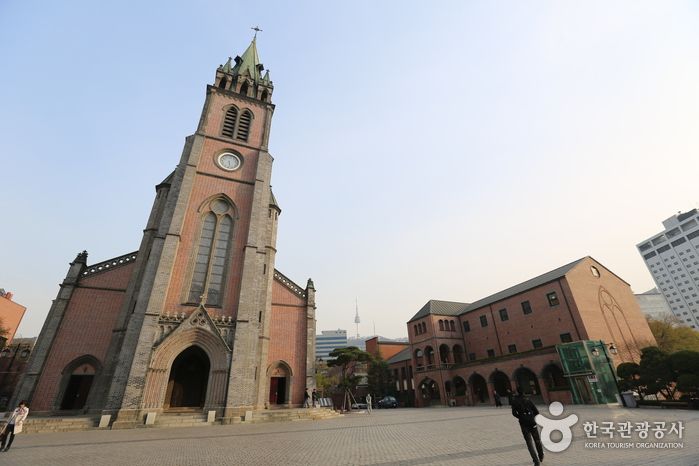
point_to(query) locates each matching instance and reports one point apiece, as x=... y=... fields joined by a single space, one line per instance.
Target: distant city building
x=329 y=340
x=654 y=305
x=11 y=315
x=672 y=257
x=13 y=362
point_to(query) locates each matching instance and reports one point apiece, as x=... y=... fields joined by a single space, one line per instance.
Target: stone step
x=56 y=424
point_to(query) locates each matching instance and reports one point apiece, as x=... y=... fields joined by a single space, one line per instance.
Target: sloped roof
x=273 y=200
x=290 y=284
x=402 y=355
x=168 y=179
x=442 y=308
x=524 y=286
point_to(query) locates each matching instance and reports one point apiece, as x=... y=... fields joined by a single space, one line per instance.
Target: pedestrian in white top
x=14 y=425
x=368 y=403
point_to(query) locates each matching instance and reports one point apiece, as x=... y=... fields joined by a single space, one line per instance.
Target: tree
x=347 y=359
x=630 y=374
x=685 y=362
x=672 y=336
x=688 y=384
x=657 y=375
x=379 y=378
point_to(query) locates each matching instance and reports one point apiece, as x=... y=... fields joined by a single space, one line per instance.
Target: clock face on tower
x=228 y=161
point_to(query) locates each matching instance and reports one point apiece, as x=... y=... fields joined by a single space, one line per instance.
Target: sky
x=423 y=150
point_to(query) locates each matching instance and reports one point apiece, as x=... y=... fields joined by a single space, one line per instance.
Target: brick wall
x=609 y=310
x=288 y=335
x=86 y=329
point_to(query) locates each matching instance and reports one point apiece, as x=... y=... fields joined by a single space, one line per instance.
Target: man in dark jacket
x=525 y=411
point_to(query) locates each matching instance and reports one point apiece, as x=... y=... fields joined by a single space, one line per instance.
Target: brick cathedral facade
x=198 y=317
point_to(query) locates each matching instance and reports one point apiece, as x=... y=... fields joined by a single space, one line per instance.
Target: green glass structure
x=589 y=368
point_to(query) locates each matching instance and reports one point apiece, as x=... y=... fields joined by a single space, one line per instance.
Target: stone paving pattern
x=437 y=436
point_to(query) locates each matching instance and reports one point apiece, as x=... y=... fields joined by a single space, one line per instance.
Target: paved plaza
x=436 y=436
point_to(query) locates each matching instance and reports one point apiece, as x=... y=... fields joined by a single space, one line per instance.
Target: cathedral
x=198 y=318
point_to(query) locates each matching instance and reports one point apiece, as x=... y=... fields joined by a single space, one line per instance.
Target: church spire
x=244 y=74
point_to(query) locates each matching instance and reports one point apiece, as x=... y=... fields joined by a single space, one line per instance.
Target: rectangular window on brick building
x=526 y=307
x=503 y=315
x=491 y=353
x=484 y=321
x=537 y=343
x=553 y=299
x=467 y=326
x=512 y=348
x=471 y=356
x=566 y=338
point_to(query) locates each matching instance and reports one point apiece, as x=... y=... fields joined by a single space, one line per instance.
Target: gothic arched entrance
x=189 y=377
x=279 y=383
x=77 y=382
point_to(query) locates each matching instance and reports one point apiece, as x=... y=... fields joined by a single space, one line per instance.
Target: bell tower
x=207 y=257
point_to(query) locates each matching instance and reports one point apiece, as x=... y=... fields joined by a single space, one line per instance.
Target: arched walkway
x=189 y=378
x=553 y=378
x=76 y=382
x=279 y=375
x=458 y=354
x=429 y=356
x=479 y=389
x=419 y=359
x=444 y=354
x=429 y=393
x=501 y=384
x=459 y=385
x=527 y=381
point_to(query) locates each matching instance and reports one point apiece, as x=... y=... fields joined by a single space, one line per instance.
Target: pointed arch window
x=229 y=122
x=211 y=260
x=244 y=125
x=236 y=124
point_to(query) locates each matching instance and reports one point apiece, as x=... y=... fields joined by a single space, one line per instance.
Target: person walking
x=525 y=411
x=14 y=425
x=306 y=397
x=314 y=398
x=368 y=403
x=496 y=397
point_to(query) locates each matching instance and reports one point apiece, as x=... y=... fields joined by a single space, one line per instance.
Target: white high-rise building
x=672 y=256
x=329 y=340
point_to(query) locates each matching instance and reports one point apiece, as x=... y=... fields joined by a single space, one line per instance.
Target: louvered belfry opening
x=244 y=125
x=229 y=122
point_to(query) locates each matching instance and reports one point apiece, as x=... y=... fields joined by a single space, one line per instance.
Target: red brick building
x=385 y=349
x=198 y=318
x=11 y=314
x=558 y=336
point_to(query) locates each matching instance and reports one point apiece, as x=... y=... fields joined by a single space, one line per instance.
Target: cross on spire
x=256 y=29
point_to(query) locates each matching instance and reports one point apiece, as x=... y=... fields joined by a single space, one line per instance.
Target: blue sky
x=423 y=150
